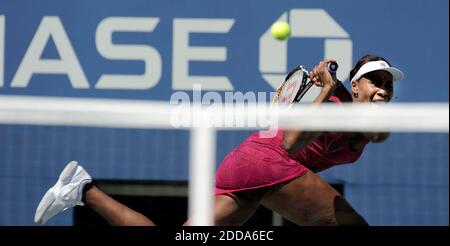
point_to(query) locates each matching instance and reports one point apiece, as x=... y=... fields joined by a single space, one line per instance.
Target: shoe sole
x=49 y=197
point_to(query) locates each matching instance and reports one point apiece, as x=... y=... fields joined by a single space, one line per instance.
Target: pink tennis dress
x=261 y=162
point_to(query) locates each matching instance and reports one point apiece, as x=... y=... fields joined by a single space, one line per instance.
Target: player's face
x=374 y=87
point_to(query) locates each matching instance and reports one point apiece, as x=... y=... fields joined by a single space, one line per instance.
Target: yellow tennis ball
x=281 y=30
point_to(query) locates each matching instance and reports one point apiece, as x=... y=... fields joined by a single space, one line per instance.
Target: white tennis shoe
x=66 y=193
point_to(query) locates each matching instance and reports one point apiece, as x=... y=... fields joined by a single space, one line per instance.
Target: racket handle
x=332 y=67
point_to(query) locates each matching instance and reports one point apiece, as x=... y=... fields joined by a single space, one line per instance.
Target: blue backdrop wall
x=147 y=50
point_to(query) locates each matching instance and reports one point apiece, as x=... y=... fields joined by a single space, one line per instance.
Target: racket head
x=297 y=88
x=294 y=83
x=309 y=93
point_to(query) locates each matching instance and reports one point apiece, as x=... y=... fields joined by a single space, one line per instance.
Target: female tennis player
x=278 y=173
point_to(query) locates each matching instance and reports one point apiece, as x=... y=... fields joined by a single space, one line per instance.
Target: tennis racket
x=297 y=87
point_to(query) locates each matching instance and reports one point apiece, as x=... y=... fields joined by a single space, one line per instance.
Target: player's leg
x=114 y=212
x=233 y=209
x=309 y=200
x=72 y=189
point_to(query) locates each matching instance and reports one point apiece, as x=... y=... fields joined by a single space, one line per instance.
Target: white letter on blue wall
x=183 y=53
x=146 y=53
x=68 y=63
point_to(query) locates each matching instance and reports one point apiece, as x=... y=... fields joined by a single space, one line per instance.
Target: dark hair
x=365 y=59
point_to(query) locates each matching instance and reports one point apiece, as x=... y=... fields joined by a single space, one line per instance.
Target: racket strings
x=291 y=78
